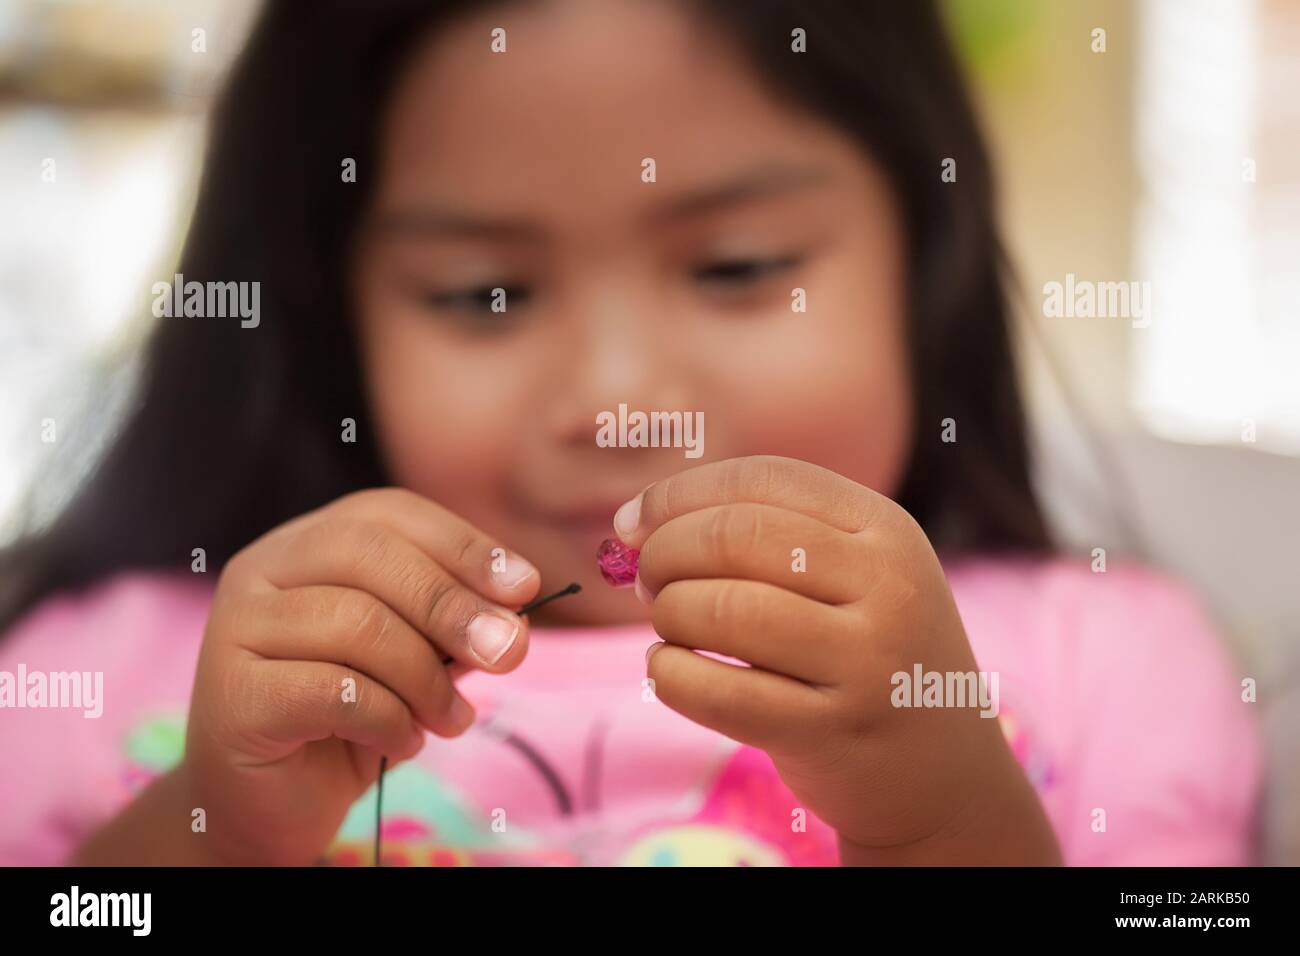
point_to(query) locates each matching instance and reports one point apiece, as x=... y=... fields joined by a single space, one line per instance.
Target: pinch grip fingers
x=751 y=706
x=370 y=557
x=456 y=668
x=296 y=702
x=788 y=483
x=352 y=628
x=761 y=624
x=477 y=560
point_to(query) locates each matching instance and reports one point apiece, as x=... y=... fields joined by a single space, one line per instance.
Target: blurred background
x=1165 y=150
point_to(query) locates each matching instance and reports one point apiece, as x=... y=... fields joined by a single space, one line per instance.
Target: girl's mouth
x=584 y=530
x=595 y=518
x=594 y=525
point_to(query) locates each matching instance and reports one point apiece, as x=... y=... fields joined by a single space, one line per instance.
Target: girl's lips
x=597 y=524
x=600 y=517
x=587 y=523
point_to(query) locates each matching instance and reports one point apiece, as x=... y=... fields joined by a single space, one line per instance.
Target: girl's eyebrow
x=760 y=182
x=429 y=221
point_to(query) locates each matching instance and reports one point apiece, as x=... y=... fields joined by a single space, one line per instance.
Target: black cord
x=379 y=803
x=573 y=588
x=533 y=757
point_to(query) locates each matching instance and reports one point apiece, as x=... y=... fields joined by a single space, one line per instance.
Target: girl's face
x=524 y=170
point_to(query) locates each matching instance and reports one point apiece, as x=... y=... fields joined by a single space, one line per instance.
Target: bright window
x=1218 y=141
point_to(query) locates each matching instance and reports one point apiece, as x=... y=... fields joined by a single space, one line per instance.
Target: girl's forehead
x=591 y=124
x=628 y=78
x=603 y=147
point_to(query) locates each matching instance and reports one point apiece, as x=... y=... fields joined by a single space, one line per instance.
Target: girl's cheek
x=826 y=389
x=432 y=442
x=847 y=426
x=418 y=400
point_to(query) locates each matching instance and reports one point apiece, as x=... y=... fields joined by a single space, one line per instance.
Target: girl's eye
x=476 y=303
x=734 y=273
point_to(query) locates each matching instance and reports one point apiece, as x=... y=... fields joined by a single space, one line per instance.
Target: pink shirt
x=1115 y=694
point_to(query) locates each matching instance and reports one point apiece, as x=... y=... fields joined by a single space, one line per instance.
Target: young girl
x=478 y=228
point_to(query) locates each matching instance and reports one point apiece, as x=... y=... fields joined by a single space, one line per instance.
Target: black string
x=379 y=803
x=573 y=588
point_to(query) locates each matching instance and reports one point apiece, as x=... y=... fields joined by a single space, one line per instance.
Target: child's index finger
x=765 y=479
x=473 y=557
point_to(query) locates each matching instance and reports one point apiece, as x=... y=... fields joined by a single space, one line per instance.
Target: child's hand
x=718 y=557
x=324 y=650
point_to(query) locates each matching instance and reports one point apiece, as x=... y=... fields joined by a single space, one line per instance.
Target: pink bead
x=617 y=562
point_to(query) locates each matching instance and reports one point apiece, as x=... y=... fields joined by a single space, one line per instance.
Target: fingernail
x=515 y=572
x=460 y=712
x=628 y=516
x=642 y=592
x=649 y=651
x=491 y=635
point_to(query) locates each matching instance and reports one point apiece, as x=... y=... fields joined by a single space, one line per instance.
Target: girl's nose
x=620 y=353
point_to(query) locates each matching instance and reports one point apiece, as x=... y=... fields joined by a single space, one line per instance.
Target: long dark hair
x=235 y=431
